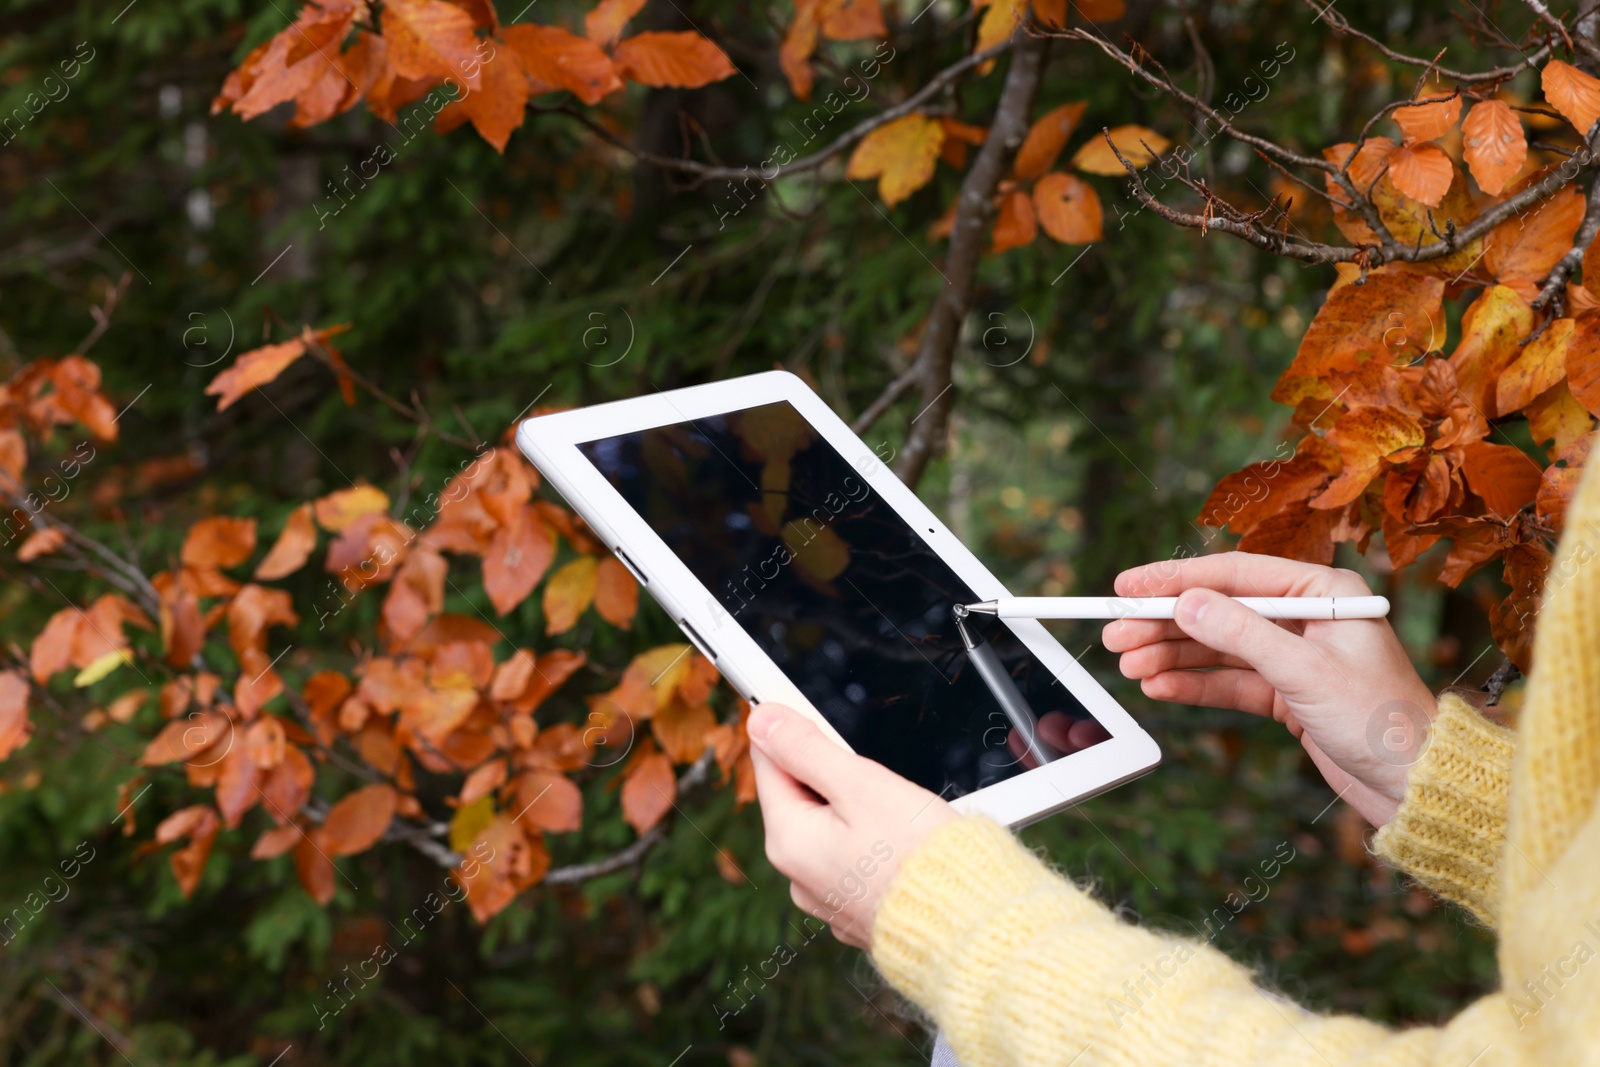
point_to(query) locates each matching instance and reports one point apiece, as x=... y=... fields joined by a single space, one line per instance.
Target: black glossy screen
x=843 y=595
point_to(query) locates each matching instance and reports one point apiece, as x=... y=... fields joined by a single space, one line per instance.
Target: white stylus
x=1161 y=607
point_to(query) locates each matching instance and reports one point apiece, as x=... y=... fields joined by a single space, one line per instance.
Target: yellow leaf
x=900 y=154
x=1094 y=156
x=102 y=667
x=470 y=821
x=338 y=510
x=568 y=594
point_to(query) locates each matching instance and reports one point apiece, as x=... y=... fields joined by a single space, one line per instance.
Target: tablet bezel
x=551 y=443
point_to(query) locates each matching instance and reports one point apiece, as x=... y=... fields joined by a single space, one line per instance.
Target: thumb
x=1222 y=623
x=795 y=745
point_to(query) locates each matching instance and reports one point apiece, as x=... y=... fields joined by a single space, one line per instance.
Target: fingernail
x=763 y=720
x=1192 y=606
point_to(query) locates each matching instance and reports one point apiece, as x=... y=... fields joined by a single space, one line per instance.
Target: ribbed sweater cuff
x=945 y=892
x=1450 y=828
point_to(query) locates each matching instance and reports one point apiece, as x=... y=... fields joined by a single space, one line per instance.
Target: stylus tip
x=986 y=607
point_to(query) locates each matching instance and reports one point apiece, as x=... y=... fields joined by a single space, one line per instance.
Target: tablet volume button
x=628 y=563
x=695 y=639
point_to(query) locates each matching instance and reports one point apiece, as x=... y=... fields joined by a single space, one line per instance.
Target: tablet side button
x=696 y=640
x=628 y=563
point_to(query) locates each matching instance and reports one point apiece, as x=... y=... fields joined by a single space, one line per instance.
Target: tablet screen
x=845 y=597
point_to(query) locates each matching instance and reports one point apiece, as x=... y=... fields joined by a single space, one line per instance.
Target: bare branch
x=1560 y=27
x=704 y=172
x=886 y=400
x=969 y=234
x=102 y=314
x=1340 y=25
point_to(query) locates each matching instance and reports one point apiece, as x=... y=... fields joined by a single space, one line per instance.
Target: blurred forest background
x=1101 y=391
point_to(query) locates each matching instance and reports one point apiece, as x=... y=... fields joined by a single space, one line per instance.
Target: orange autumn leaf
x=1583 y=367
x=219 y=542
x=314 y=866
x=1495 y=144
x=1524 y=247
x=15 y=728
x=681 y=59
x=1366 y=437
x=1573 y=93
x=616 y=594
x=430 y=39
x=549 y=801
x=1014 y=224
x=901 y=154
x=1100 y=10
x=356 y=822
x=517 y=559
x=483 y=781
x=851 y=20
x=499 y=105
x=649 y=790
x=799 y=42
x=604 y=24
x=52 y=648
x=1051 y=13
x=252 y=370
x=1357 y=323
x=561 y=60
x=41 y=542
x=275 y=842
x=1505 y=478
x=680 y=728
x=1428 y=119
x=292 y=548
x=568 y=593
x=1068 y=208
x=501 y=862
x=1045 y=140
x=1422 y=171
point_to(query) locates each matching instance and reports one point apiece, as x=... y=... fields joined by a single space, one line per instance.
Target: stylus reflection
x=1025 y=728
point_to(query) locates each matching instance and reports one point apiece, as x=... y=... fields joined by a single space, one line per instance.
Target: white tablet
x=796 y=561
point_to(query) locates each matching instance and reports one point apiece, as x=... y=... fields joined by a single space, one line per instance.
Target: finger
x=795 y=745
x=1226 y=687
x=1120 y=635
x=1224 y=624
x=1055 y=730
x=1186 y=654
x=779 y=792
x=814 y=906
x=1017 y=745
x=1239 y=574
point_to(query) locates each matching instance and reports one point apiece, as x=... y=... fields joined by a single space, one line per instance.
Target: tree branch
x=1340 y=25
x=886 y=400
x=1557 y=278
x=974 y=207
x=704 y=172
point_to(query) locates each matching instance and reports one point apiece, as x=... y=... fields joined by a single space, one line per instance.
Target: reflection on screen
x=844 y=596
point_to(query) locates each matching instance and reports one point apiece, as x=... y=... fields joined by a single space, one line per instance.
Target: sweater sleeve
x=1450 y=830
x=1021 y=968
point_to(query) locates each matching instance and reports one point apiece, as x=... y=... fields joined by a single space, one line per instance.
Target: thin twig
x=704 y=172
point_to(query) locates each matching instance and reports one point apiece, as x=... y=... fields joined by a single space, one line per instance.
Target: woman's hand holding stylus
x=1346 y=689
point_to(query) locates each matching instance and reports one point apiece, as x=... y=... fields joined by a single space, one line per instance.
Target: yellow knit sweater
x=1020 y=967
